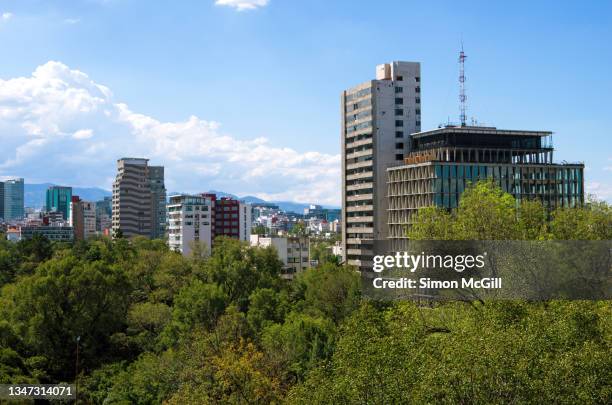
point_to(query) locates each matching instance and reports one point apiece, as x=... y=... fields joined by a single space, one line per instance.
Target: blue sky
x=258 y=85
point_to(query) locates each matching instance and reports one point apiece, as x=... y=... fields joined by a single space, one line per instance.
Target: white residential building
x=189 y=222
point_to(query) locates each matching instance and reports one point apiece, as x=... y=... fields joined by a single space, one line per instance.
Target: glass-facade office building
x=58 y=199
x=13 y=200
x=445 y=161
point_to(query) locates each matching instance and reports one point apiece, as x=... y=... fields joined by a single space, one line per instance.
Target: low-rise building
x=53 y=233
x=292 y=251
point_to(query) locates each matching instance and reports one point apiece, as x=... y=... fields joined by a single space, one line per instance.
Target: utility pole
x=76 y=372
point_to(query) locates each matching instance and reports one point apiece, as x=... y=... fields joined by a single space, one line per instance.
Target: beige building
x=82 y=218
x=136 y=202
x=292 y=251
x=377 y=118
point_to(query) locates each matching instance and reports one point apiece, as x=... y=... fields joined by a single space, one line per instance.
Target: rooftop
x=467 y=130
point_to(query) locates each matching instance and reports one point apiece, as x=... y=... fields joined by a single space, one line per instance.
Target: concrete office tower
x=158 y=204
x=189 y=221
x=13 y=200
x=59 y=199
x=444 y=161
x=377 y=119
x=135 y=204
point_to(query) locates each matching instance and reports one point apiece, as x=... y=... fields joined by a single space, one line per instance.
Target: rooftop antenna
x=462 y=96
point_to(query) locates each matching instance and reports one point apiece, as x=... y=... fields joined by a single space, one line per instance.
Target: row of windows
x=360 y=192
x=401 y=78
x=358 y=94
x=359 y=159
x=356 y=106
x=517 y=173
x=358 y=116
x=363 y=125
x=221 y=216
x=358 y=149
x=400 y=112
x=399 y=89
x=400 y=124
x=358 y=138
x=451 y=200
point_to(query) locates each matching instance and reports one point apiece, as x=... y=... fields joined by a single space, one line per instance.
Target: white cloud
x=242 y=5
x=83 y=134
x=6 y=16
x=72 y=21
x=58 y=125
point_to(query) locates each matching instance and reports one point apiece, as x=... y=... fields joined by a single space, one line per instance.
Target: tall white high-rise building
x=377 y=119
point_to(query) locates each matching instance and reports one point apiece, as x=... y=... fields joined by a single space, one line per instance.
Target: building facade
x=1 y=201
x=104 y=212
x=377 y=118
x=232 y=218
x=59 y=198
x=53 y=233
x=444 y=161
x=158 y=203
x=135 y=209
x=189 y=222
x=82 y=218
x=294 y=252
x=13 y=201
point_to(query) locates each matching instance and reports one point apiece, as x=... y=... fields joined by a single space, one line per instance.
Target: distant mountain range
x=34 y=195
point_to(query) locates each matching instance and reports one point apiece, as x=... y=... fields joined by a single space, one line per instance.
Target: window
x=418 y=100
x=418 y=111
x=399 y=123
x=399 y=112
x=418 y=123
x=399 y=100
x=418 y=89
x=399 y=145
x=399 y=156
x=399 y=90
x=399 y=134
x=417 y=79
x=399 y=78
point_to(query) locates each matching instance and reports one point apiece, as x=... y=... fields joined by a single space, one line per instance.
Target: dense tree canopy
x=156 y=327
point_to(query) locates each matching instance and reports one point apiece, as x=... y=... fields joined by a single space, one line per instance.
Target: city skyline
x=268 y=126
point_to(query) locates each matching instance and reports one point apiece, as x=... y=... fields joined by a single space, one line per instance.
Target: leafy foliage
x=156 y=327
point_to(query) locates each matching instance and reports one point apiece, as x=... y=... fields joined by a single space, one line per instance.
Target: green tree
x=64 y=299
x=238 y=269
x=330 y=290
x=266 y=306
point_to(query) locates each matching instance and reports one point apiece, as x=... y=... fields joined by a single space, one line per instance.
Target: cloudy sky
x=243 y=95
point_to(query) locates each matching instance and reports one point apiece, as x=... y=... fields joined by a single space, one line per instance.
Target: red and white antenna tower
x=462 y=96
